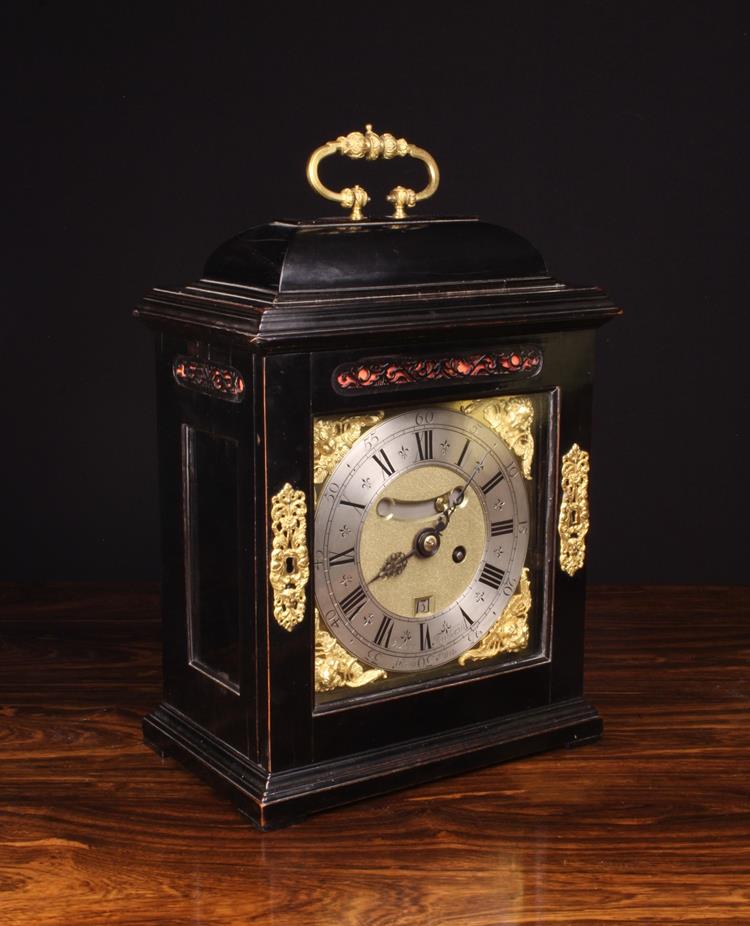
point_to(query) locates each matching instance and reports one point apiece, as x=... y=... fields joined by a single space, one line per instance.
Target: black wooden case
x=296 y=320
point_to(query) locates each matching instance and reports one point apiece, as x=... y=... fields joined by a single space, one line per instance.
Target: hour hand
x=393 y=566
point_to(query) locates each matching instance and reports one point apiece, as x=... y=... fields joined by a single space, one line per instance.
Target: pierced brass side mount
x=371 y=146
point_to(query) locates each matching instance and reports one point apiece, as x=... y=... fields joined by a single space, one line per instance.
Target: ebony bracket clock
x=374 y=442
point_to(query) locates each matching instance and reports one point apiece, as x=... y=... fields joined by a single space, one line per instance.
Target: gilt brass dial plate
x=421 y=534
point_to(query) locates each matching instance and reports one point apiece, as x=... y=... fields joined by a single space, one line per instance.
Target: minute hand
x=460 y=495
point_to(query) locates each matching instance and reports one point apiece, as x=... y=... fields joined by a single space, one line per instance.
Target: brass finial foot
x=402 y=199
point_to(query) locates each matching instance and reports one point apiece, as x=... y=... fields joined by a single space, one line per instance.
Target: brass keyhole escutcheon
x=289 y=569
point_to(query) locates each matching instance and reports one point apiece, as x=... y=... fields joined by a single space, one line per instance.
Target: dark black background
x=138 y=136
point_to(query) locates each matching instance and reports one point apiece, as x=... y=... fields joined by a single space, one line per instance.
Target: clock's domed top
x=315 y=281
x=292 y=258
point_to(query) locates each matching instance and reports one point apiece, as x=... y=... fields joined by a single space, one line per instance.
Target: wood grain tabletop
x=651 y=825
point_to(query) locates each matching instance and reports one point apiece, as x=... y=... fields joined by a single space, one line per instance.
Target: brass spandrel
x=573 y=523
x=335 y=667
x=333 y=437
x=510 y=632
x=512 y=417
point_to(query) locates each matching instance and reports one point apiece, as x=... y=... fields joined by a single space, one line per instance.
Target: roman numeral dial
x=353 y=602
x=493 y=482
x=465 y=616
x=354 y=505
x=491 y=576
x=499 y=528
x=381 y=458
x=383 y=635
x=424 y=444
x=417 y=537
x=341 y=559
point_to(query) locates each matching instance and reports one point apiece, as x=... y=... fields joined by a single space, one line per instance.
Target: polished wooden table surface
x=649 y=826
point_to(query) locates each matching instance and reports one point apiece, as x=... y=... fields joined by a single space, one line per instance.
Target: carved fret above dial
x=376 y=373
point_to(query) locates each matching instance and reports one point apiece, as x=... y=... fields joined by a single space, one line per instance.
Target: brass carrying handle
x=371 y=146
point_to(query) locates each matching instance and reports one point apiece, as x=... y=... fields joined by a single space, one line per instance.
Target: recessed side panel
x=207 y=512
x=210 y=472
